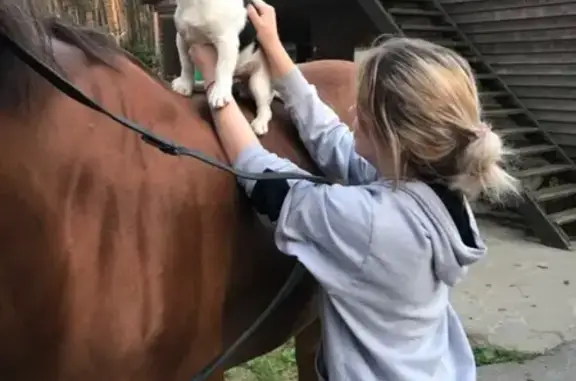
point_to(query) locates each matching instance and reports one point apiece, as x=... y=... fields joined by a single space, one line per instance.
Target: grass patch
x=280 y=365
x=486 y=355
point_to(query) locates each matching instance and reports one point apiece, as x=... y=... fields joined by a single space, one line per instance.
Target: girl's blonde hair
x=419 y=100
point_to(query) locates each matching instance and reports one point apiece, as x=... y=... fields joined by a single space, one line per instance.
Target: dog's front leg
x=221 y=92
x=261 y=89
x=185 y=83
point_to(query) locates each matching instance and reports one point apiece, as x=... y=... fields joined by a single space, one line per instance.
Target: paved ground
x=522 y=297
x=560 y=365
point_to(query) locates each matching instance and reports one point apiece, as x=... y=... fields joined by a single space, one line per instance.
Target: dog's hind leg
x=261 y=88
x=185 y=83
x=221 y=92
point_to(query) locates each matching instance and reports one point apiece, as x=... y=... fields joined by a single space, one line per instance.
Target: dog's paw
x=183 y=86
x=220 y=94
x=260 y=125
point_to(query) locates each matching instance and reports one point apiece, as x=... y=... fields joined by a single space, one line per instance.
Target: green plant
x=486 y=355
x=280 y=365
x=144 y=53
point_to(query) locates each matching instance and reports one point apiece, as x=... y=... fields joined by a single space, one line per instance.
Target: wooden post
x=169 y=62
x=333 y=31
x=338 y=30
x=157 y=35
x=294 y=29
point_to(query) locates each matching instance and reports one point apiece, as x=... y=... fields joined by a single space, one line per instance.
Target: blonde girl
x=388 y=246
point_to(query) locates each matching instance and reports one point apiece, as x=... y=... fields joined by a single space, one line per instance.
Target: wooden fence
x=128 y=21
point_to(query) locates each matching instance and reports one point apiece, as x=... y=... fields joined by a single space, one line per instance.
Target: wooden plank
x=532 y=149
x=533 y=59
x=543 y=170
x=413 y=11
x=564 y=105
x=560 y=69
x=526 y=35
x=564 y=217
x=558 y=127
x=542 y=81
x=541 y=23
x=558 y=46
x=570 y=150
x=555 y=116
x=561 y=129
x=514 y=131
x=516 y=14
x=554 y=193
x=447 y=2
x=460 y=7
x=544 y=93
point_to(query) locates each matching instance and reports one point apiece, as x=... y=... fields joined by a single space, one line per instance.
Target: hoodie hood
x=455 y=238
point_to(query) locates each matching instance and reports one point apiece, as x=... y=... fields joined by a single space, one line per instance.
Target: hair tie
x=483 y=129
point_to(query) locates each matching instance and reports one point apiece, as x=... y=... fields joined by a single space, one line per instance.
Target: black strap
x=171 y=148
x=293 y=280
x=147 y=136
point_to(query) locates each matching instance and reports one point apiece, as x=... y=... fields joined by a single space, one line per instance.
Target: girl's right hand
x=263 y=17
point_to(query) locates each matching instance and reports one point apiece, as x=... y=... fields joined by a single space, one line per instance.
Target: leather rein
x=171 y=148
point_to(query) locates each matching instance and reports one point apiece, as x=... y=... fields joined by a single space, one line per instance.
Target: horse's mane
x=26 y=23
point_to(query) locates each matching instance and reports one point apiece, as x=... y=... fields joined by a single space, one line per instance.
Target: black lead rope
x=173 y=149
x=147 y=136
x=293 y=280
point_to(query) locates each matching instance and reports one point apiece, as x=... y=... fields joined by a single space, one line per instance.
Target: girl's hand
x=204 y=57
x=263 y=17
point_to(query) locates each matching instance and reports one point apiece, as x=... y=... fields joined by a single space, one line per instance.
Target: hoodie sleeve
x=328 y=228
x=328 y=140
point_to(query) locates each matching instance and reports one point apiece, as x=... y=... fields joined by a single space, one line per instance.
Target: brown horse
x=118 y=262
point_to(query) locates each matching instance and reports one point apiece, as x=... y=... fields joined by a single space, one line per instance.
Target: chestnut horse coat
x=118 y=262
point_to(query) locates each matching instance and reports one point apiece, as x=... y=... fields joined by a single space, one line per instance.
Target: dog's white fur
x=220 y=22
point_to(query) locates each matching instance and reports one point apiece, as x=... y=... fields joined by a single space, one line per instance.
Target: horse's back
x=121 y=262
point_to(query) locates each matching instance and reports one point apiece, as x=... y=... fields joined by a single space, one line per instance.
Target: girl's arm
x=328 y=228
x=328 y=140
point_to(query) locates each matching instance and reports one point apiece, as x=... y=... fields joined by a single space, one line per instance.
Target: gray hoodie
x=386 y=259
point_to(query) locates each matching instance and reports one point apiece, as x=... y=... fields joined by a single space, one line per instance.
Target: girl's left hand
x=204 y=57
x=263 y=17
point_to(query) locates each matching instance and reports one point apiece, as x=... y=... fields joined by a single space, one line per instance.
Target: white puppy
x=224 y=24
